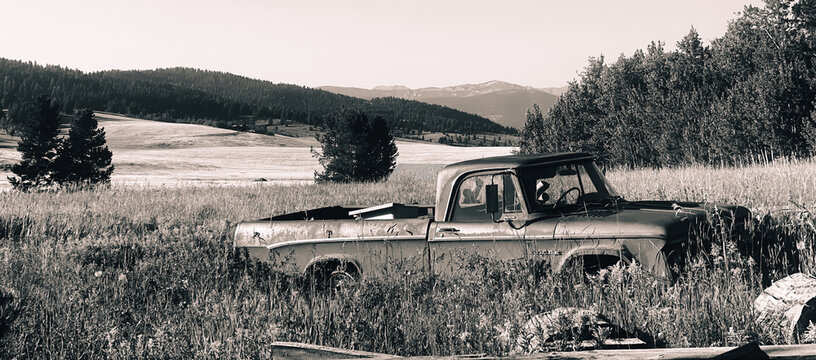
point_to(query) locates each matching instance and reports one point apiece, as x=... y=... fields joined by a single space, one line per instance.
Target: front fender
x=645 y=251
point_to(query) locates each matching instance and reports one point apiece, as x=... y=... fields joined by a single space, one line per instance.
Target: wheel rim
x=340 y=278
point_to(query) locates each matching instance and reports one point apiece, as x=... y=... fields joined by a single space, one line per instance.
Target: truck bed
x=371 y=233
x=379 y=212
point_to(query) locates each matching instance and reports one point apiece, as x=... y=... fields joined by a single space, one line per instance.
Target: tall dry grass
x=764 y=186
x=149 y=272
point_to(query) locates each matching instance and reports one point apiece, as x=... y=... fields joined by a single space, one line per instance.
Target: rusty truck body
x=551 y=209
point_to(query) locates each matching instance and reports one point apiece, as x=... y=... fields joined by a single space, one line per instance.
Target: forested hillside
x=213 y=98
x=751 y=93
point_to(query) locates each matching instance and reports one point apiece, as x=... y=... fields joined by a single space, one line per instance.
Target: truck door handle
x=447 y=229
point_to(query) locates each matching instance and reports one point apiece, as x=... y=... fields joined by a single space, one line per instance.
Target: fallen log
x=570 y=327
x=788 y=306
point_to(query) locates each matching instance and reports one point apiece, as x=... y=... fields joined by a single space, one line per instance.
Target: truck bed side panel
x=372 y=245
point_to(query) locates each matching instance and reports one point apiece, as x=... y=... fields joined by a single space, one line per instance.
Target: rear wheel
x=330 y=275
x=340 y=278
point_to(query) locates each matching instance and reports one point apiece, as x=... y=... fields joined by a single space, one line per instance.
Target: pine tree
x=355 y=149
x=381 y=149
x=339 y=156
x=83 y=157
x=39 y=130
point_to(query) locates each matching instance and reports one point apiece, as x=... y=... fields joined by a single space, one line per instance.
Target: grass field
x=149 y=152
x=146 y=272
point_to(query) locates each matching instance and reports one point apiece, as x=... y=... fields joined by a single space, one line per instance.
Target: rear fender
x=342 y=258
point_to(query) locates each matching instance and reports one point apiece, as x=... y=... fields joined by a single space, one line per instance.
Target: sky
x=359 y=43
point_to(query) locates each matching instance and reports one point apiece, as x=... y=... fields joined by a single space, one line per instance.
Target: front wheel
x=580 y=268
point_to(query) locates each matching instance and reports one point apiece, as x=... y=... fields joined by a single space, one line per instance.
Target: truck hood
x=640 y=219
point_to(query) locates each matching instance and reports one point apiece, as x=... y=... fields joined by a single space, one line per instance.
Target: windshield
x=563 y=186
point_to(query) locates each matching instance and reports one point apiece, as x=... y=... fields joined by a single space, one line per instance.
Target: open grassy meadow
x=149 y=152
x=137 y=271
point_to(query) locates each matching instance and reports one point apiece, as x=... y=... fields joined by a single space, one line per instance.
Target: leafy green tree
x=39 y=130
x=355 y=149
x=752 y=92
x=83 y=157
x=533 y=136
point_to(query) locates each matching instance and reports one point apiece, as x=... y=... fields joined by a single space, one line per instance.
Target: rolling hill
x=499 y=101
x=215 y=98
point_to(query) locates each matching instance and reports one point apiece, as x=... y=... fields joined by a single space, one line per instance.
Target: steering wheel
x=564 y=195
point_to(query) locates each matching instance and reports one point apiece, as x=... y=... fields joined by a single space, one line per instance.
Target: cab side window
x=470 y=198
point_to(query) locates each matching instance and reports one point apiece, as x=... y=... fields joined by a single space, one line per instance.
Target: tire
x=582 y=267
x=340 y=278
x=328 y=276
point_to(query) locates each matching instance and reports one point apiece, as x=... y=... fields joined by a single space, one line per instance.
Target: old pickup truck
x=550 y=209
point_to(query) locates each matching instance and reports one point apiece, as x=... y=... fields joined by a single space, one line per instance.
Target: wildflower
x=215 y=346
x=484 y=322
x=809 y=337
x=98 y=273
x=736 y=271
x=122 y=277
x=504 y=332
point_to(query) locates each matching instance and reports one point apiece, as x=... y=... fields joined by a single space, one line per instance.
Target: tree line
x=750 y=93
x=212 y=98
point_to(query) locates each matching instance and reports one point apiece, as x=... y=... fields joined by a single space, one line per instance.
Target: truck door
x=470 y=230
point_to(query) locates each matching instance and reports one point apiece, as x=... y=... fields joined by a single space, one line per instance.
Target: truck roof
x=449 y=174
x=514 y=161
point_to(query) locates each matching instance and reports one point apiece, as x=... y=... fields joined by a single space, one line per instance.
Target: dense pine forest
x=213 y=98
x=750 y=93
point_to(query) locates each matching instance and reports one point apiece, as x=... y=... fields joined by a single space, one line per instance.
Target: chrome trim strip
x=343 y=240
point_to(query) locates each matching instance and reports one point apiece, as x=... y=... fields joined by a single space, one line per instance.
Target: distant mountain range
x=502 y=102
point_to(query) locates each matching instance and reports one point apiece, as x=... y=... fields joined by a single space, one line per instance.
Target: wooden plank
x=777 y=352
x=298 y=351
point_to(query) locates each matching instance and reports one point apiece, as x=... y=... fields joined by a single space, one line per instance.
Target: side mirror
x=492 y=198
